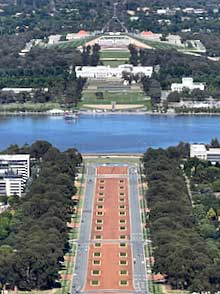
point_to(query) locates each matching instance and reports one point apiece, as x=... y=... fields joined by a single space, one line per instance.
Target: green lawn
x=73 y=44
x=114 y=54
x=113 y=63
x=127 y=97
x=158 y=45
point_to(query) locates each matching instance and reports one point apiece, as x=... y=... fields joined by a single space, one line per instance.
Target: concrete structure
x=21 y=90
x=53 y=39
x=106 y=72
x=80 y=35
x=202 y=152
x=18 y=164
x=187 y=83
x=11 y=184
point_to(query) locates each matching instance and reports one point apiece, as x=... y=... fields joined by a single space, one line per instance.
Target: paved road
x=84 y=238
x=139 y=270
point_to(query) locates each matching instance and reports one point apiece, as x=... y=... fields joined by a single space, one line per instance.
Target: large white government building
x=187 y=83
x=202 y=152
x=14 y=172
x=107 y=72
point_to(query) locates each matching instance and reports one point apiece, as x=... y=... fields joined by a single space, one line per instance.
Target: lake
x=109 y=133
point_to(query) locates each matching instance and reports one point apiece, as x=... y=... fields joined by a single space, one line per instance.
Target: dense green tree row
x=181 y=252
x=36 y=239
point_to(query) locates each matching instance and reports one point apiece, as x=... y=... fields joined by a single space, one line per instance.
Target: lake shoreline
x=44 y=113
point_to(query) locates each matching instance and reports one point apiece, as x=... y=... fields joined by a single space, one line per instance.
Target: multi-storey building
x=202 y=152
x=14 y=172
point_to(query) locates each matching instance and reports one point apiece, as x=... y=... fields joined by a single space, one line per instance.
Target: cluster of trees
x=173 y=65
x=51 y=68
x=194 y=95
x=181 y=253
x=90 y=55
x=34 y=244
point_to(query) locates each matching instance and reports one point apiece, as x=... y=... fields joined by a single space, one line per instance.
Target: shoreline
x=81 y=112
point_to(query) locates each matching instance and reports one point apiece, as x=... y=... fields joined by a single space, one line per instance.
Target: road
x=85 y=227
x=139 y=269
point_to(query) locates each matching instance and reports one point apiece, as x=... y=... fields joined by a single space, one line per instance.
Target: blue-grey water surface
x=109 y=133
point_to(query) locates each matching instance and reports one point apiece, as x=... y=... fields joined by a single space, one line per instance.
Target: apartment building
x=14 y=172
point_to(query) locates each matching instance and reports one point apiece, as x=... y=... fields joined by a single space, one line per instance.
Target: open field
x=119 y=97
x=72 y=44
x=114 y=63
x=117 y=106
x=159 y=45
x=114 y=55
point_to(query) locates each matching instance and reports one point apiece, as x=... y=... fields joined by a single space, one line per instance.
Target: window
x=98 y=237
x=97 y=245
x=100 y=199
x=99 y=221
x=123 y=282
x=122 y=221
x=122 y=245
x=101 y=194
x=101 y=187
x=96 y=262
x=121 y=181
x=95 y=283
x=96 y=254
x=99 y=228
x=122 y=206
x=123 y=254
x=99 y=213
x=121 y=200
x=121 y=187
x=123 y=237
x=123 y=228
x=122 y=213
x=123 y=272
x=123 y=262
x=102 y=181
x=122 y=194
x=99 y=206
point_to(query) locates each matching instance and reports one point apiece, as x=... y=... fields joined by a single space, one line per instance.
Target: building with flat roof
x=11 y=184
x=106 y=72
x=18 y=164
x=187 y=83
x=202 y=152
x=14 y=172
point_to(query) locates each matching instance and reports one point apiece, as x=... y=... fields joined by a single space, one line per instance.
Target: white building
x=53 y=39
x=22 y=90
x=11 y=184
x=17 y=163
x=202 y=152
x=187 y=83
x=14 y=172
x=106 y=72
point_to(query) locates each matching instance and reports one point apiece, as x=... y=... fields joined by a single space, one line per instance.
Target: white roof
x=198 y=147
x=14 y=156
x=213 y=150
x=55 y=111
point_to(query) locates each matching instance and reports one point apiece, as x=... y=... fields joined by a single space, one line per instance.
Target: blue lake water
x=109 y=133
